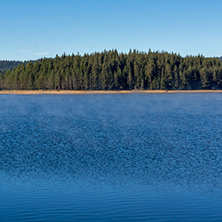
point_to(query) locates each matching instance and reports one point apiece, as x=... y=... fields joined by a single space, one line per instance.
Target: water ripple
x=111 y=157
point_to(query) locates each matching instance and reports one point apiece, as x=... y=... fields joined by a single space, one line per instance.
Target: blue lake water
x=131 y=157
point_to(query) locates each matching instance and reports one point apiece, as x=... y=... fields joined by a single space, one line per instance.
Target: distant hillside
x=6 y=65
x=10 y=65
x=110 y=70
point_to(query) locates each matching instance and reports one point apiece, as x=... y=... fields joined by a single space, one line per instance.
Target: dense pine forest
x=110 y=70
x=9 y=65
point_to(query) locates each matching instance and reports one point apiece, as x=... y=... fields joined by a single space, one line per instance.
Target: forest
x=111 y=70
x=9 y=65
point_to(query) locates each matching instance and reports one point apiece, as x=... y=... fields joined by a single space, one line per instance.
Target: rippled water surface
x=132 y=157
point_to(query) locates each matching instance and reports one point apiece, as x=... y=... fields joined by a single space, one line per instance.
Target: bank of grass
x=56 y=92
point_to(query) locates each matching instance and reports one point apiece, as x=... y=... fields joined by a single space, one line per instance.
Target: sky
x=31 y=29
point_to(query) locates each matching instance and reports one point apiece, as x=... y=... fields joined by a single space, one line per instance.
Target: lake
x=122 y=157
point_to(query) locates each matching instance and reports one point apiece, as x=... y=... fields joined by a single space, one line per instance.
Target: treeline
x=10 y=65
x=111 y=70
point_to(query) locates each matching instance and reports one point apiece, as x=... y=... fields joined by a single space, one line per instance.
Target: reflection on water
x=111 y=157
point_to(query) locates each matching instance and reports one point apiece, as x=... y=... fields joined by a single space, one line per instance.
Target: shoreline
x=82 y=92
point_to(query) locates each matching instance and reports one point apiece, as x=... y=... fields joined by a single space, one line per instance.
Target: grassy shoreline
x=77 y=92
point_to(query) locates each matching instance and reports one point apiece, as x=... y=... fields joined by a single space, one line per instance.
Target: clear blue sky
x=32 y=29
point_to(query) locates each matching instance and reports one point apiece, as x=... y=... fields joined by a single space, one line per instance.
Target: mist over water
x=132 y=157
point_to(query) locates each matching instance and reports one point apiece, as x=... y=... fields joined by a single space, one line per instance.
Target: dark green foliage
x=10 y=65
x=111 y=70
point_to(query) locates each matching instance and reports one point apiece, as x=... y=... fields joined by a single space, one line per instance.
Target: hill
x=10 y=65
x=110 y=70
